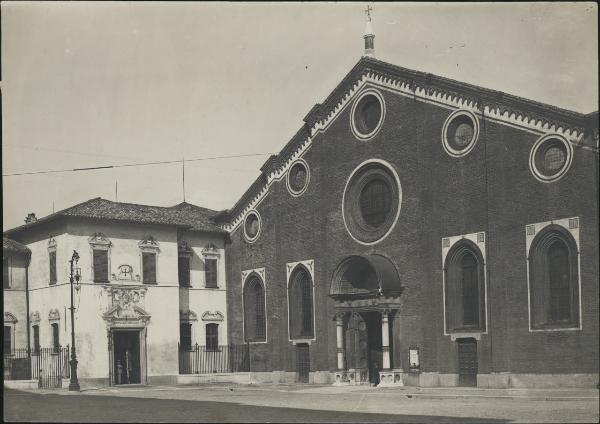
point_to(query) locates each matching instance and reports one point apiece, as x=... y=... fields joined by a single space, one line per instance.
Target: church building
x=421 y=231
x=416 y=230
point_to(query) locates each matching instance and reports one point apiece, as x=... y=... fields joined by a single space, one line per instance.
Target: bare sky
x=86 y=84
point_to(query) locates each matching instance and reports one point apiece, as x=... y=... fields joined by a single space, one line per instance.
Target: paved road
x=32 y=407
x=301 y=403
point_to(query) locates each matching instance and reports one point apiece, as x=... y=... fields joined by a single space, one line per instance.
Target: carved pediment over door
x=126 y=307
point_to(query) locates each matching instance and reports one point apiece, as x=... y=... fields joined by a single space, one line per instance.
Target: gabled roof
x=183 y=215
x=495 y=104
x=12 y=246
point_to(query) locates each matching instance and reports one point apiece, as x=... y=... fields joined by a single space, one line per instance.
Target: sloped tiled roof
x=14 y=246
x=184 y=215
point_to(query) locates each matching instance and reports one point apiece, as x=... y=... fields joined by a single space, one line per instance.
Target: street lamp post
x=74 y=383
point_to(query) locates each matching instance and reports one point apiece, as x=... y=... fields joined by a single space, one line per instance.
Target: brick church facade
x=416 y=230
x=422 y=231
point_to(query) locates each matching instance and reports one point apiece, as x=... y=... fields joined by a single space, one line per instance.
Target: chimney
x=30 y=218
x=369 y=35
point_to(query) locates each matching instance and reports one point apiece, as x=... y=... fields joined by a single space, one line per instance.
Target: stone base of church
x=505 y=380
x=267 y=377
x=21 y=384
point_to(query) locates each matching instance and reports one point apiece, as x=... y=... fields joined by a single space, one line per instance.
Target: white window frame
x=290 y=268
x=531 y=230
x=98 y=241
x=149 y=245
x=245 y=277
x=479 y=238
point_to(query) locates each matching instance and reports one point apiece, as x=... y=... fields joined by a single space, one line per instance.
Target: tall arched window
x=465 y=288
x=553 y=279
x=254 y=310
x=300 y=296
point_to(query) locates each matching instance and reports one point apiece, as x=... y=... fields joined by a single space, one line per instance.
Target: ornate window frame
x=366 y=92
x=290 y=267
x=189 y=317
x=479 y=239
x=531 y=230
x=532 y=156
x=349 y=189
x=469 y=147
x=52 y=249
x=289 y=172
x=98 y=241
x=185 y=251
x=11 y=321
x=216 y=317
x=246 y=274
x=210 y=251
x=246 y=236
x=149 y=245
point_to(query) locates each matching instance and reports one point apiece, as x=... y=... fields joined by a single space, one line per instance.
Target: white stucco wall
x=162 y=301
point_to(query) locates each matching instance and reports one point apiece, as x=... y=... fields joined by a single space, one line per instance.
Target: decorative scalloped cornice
x=497 y=109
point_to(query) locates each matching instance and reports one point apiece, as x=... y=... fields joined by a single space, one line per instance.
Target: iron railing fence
x=48 y=365
x=223 y=359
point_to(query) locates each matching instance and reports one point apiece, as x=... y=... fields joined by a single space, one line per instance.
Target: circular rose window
x=550 y=158
x=252 y=225
x=367 y=114
x=460 y=132
x=297 y=178
x=371 y=203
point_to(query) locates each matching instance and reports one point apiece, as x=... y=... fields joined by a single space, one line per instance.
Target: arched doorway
x=366 y=290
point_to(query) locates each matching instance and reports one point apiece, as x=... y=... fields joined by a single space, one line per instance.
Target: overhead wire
x=127 y=165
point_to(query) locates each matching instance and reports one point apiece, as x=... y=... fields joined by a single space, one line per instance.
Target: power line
x=126 y=165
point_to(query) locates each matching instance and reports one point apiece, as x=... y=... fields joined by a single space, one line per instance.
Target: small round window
x=252 y=225
x=460 y=132
x=297 y=178
x=371 y=203
x=367 y=114
x=550 y=158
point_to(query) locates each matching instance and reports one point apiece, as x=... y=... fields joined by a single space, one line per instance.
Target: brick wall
x=491 y=190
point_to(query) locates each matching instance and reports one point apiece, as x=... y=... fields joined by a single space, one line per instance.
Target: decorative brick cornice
x=524 y=114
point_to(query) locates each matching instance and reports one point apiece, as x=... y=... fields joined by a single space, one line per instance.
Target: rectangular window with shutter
x=55 y=338
x=7 y=340
x=210 y=267
x=184 y=271
x=5 y=274
x=212 y=337
x=185 y=336
x=100 y=266
x=149 y=267
x=52 y=257
x=36 y=338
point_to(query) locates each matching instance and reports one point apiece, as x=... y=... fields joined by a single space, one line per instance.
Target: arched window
x=300 y=296
x=465 y=288
x=553 y=279
x=254 y=310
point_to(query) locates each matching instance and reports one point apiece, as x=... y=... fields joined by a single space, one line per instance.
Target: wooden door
x=467 y=362
x=302 y=362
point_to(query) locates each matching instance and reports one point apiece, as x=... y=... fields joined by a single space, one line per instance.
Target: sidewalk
x=404 y=392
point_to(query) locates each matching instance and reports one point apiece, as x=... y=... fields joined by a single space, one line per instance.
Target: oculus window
x=460 y=133
x=368 y=112
x=550 y=158
x=252 y=226
x=371 y=203
x=298 y=177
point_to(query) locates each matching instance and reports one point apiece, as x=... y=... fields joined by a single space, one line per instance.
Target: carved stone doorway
x=126 y=357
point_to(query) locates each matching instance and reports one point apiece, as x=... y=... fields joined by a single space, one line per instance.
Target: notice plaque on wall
x=413 y=358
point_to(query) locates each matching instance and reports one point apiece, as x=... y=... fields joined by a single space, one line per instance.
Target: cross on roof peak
x=368 y=12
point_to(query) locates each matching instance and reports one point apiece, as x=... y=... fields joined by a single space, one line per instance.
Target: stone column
x=339 y=318
x=385 y=339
